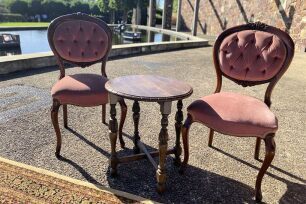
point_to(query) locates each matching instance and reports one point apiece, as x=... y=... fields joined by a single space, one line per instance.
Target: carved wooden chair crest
x=249 y=55
x=80 y=40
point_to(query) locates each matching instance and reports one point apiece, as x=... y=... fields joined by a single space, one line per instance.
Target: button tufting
x=258 y=56
x=75 y=41
x=96 y=53
x=82 y=53
x=231 y=67
x=247 y=69
x=88 y=41
x=81 y=29
x=264 y=71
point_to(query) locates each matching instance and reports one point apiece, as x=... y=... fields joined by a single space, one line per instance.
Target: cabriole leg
x=65 y=116
x=211 y=137
x=104 y=114
x=270 y=152
x=257 y=148
x=185 y=135
x=54 y=117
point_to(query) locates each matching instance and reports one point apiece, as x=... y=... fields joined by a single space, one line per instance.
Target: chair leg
x=257 y=148
x=211 y=137
x=104 y=114
x=122 y=120
x=185 y=134
x=54 y=117
x=270 y=152
x=65 y=116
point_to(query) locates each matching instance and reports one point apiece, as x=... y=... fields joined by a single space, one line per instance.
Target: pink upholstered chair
x=249 y=55
x=80 y=40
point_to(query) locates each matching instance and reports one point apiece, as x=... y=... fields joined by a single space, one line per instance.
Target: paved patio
x=225 y=173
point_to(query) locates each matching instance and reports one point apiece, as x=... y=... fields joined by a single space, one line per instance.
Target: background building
x=216 y=15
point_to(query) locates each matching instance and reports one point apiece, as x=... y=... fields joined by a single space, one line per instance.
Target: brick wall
x=217 y=15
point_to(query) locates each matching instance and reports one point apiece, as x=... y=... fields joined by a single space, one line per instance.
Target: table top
x=148 y=88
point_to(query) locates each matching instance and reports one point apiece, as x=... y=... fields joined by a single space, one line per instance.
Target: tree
x=103 y=6
x=35 y=7
x=94 y=9
x=18 y=6
x=78 y=6
x=54 y=8
x=109 y=6
x=3 y=9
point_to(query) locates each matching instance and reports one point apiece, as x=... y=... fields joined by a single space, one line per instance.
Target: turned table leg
x=178 y=127
x=113 y=131
x=165 y=109
x=136 y=116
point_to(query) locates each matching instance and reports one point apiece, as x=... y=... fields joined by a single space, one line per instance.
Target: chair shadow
x=84 y=173
x=81 y=137
x=195 y=186
x=295 y=192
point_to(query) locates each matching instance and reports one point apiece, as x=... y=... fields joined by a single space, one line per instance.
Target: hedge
x=11 y=17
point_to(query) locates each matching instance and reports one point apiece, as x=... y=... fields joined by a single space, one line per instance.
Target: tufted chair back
x=79 y=39
x=253 y=54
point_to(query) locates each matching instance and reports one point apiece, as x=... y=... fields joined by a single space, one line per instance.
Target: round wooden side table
x=148 y=88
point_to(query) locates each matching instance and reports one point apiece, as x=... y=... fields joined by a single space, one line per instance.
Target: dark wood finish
x=104 y=114
x=185 y=133
x=113 y=128
x=148 y=88
x=65 y=116
x=147 y=153
x=136 y=117
x=270 y=152
x=257 y=148
x=136 y=157
x=163 y=146
x=122 y=119
x=54 y=117
x=179 y=117
x=269 y=141
x=61 y=61
x=151 y=89
x=211 y=137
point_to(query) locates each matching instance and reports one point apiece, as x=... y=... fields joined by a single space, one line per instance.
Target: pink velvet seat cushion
x=234 y=114
x=81 y=90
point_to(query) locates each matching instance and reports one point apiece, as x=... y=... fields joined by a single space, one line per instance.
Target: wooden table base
x=163 y=151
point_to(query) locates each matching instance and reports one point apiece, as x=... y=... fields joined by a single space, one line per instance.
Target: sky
x=161 y=3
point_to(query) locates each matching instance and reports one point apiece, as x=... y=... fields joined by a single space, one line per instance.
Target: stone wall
x=217 y=15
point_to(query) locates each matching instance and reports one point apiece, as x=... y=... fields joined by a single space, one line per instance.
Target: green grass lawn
x=23 y=24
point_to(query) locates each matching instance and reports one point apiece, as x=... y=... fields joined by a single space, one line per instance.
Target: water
x=33 y=41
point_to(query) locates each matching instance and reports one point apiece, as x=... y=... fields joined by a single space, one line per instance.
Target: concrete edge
x=77 y=182
x=10 y=64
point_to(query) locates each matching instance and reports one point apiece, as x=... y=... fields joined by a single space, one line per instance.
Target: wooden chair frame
x=269 y=139
x=60 y=60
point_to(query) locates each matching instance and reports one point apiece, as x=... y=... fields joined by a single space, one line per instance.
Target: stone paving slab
x=224 y=174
